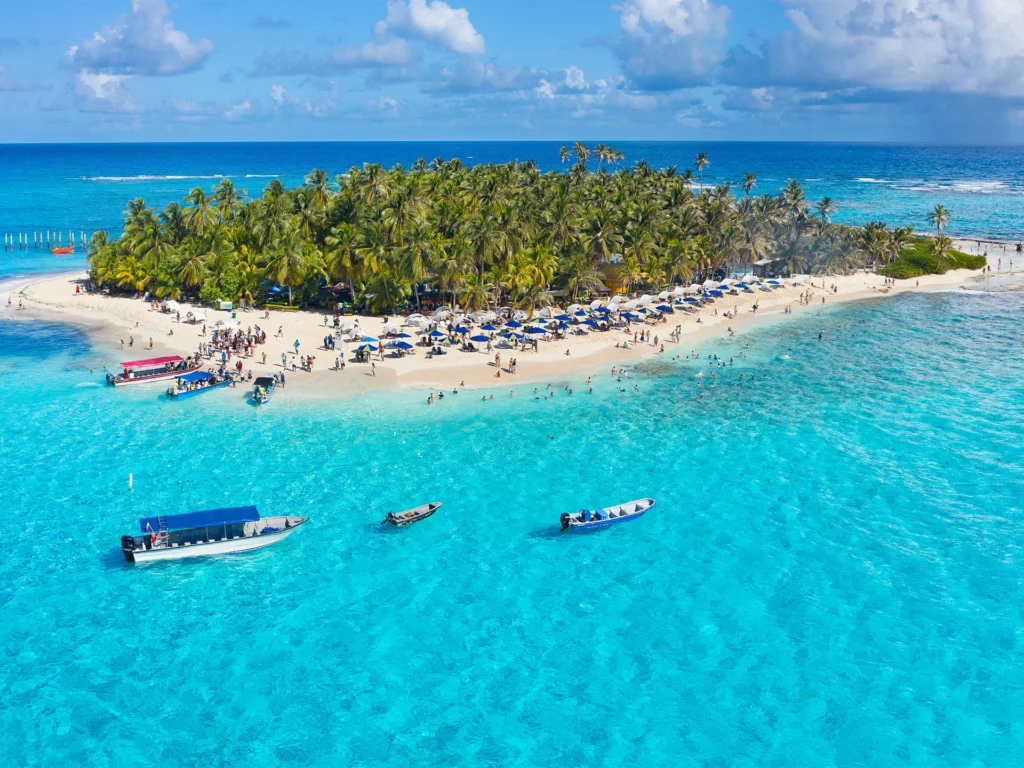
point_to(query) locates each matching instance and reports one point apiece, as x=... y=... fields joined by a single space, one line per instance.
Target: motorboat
x=263 y=389
x=592 y=519
x=65 y=251
x=414 y=515
x=153 y=369
x=209 y=532
x=195 y=383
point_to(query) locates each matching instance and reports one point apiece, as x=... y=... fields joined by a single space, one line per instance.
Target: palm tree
x=938 y=217
x=749 y=182
x=287 y=264
x=824 y=208
x=700 y=164
x=943 y=249
x=201 y=215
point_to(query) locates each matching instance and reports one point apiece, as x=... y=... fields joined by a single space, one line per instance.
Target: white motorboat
x=210 y=532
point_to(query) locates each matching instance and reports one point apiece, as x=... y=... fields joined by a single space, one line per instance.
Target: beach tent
x=226 y=324
x=798 y=281
x=196 y=316
x=170 y=306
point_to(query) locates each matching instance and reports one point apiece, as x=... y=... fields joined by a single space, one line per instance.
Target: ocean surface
x=85 y=187
x=832 y=575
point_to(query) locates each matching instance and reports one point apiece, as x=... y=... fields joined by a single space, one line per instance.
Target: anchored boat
x=414 y=515
x=210 y=532
x=65 y=251
x=153 y=369
x=263 y=389
x=196 y=383
x=592 y=519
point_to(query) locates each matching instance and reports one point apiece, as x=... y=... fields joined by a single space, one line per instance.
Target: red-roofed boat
x=153 y=369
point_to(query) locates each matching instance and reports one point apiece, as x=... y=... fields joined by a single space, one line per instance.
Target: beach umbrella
x=535 y=330
x=663 y=308
x=630 y=316
x=691 y=300
x=436 y=335
x=717 y=294
x=403 y=345
x=580 y=313
x=369 y=340
x=460 y=329
x=664 y=295
x=367 y=348
x=518 y=336
x=596 y=303
x=563 y=318
x=603 y=310
x=561 y=326
x=402 y=336
x=513 y=324
x=591 y=323
x=488 y=327
x=646 y=299
x=479 y=339
x=774 y=282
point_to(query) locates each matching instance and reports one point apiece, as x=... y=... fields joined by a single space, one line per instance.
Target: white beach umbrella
x=632 y=304
x=664 y=295
x=709 y=284
x=646 y=299
x=596 y=303
x=694 y=288
x=573 y=308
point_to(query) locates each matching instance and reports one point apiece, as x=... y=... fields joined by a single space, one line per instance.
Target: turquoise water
x=831 y=575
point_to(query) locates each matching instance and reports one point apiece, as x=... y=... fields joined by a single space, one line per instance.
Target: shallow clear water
x=831 y=575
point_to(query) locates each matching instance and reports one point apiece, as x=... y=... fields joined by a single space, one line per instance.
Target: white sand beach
x=117 y=319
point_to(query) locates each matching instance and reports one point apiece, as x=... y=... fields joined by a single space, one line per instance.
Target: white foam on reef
x=969 y=187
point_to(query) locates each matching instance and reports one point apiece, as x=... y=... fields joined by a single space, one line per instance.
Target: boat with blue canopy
x=208 y=532
x=263 y=389
x=593 y=519
x=196 y=383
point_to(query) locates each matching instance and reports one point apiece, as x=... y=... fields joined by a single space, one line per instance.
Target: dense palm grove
x=479 y=236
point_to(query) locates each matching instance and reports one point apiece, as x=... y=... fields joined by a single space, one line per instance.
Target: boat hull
x=171 y=395
x=571 y=525
x=117 y=381
x=421 y=513
x=209 y=549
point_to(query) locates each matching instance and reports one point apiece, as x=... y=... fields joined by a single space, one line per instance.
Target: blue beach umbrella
x=580 y=313
x=563 y=318
x=717 y=294
x=513 y=324
x=436 y=335
x=691 y=300
x=535 y=330
x=403 y=345
x=591 y=323
x=369 y=340
x=479 y=339
x=630 y=316
x=402 y=336
x=460 y=329
x=367 y=348
x=562 y=326
x=663 y=308
x=603 y=310
x=488 y=327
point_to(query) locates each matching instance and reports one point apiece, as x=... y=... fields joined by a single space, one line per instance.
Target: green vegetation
x=930 y=256
x=477 y=236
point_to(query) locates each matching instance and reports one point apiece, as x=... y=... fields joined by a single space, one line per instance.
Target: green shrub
x=920 y=259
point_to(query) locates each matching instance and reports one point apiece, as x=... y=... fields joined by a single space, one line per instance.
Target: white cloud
x=97 y=92
x=384 y=53
x=282 y=98
x=472 y=75
x=957 y=46
x=671 y=44
x=144 y=43
x=435 y=21
x=238 y=111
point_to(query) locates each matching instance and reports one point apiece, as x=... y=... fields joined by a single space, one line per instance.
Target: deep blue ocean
x=85 y=187
x=832 y=575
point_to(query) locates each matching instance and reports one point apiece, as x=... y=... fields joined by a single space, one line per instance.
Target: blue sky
x=843 y=70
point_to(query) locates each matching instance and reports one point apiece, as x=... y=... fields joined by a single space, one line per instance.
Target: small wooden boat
x=414 y=515
x=263 y=389
x=66 y=251
x=592 y=519
x=153 y=369
x=210 y=532
x=195 y=383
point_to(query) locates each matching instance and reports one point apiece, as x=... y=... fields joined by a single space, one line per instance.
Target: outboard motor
x=565 y=520
x=128 y=547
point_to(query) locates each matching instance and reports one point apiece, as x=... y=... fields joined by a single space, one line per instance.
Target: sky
x=675 y=70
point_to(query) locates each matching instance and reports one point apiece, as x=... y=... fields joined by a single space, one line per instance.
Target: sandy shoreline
x=113 y=319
